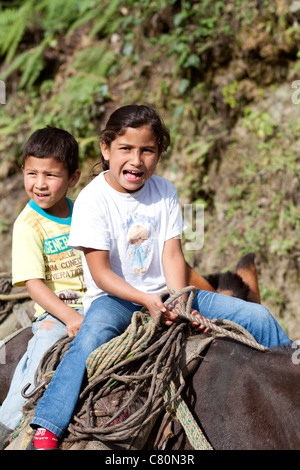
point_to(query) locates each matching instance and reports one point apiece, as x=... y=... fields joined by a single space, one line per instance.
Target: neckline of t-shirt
x=127 y=196
x=45 y=214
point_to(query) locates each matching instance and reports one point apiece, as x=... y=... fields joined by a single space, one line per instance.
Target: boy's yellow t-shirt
x=40 y=251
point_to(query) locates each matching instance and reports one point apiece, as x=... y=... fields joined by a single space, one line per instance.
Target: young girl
x=129 y=199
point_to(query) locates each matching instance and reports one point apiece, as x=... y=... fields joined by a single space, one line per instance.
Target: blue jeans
x=46 y=331
x=108 y=317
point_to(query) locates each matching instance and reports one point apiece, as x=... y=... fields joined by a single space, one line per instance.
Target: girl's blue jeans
x=109 y=316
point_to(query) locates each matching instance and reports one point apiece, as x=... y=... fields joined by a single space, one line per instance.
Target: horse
x=11 y=350
x=244 y=399
x=242 y=283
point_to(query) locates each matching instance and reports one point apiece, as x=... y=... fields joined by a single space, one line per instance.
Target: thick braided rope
x=158 y=363
x=139 y=344
x=185 y=312
x=193 y=432
x=179 y=408
x=142 y=329
x=134 y=338
x=137 y=336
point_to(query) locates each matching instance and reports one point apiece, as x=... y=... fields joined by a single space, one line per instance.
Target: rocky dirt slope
x=221 y=75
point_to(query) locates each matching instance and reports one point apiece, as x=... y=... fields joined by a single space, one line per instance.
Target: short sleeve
x=175 y=224
x=89 y=227
x=27 y=255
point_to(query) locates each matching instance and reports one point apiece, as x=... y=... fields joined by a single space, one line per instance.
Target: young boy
x=42 y=259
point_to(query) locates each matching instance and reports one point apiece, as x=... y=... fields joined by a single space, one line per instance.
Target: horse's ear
x=247 y=270
x=196 y=280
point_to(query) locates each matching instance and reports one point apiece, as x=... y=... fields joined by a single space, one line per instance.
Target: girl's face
x=132 y=158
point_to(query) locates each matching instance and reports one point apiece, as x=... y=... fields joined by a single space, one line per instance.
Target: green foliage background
x=210 y=69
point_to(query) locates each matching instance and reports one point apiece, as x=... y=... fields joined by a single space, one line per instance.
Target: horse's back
x=244 y=399
x=12 y=350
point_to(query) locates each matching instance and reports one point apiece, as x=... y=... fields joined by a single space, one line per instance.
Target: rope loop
x=142 y=366
x=221 y=327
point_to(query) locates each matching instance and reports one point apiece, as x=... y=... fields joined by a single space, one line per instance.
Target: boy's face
x=46 y=182
x=132 y=158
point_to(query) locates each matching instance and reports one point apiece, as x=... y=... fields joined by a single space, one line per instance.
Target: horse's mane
x=285 y=350
x=229 y=281
x=284 y=356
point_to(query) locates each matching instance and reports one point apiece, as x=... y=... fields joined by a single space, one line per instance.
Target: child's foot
x=45 y=440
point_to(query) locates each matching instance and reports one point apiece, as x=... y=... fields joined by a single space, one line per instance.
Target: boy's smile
x=132 y=157
x=46 y=182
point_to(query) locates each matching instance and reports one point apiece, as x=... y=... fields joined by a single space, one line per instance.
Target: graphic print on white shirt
x=139 y=248
x=133 y=228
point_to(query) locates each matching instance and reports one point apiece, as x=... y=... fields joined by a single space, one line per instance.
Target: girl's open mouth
x=131 y=175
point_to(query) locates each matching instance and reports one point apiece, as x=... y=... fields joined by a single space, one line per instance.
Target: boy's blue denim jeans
x=46 y=331
x=108 y=317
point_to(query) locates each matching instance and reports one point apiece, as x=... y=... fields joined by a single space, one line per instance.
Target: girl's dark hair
x=56 y=143
x=134 y=116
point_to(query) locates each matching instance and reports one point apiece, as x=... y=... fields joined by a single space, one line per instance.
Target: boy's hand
x=41 y=294
x=73 y=323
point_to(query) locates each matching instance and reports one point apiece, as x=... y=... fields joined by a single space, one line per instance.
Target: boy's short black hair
x=53 y=142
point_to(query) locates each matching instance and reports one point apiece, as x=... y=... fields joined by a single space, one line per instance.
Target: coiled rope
x=144 y=376
x=143 y=362
x=185 y=312
x=8 y=299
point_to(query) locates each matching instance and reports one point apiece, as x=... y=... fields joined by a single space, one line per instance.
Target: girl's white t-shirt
x=133 y=227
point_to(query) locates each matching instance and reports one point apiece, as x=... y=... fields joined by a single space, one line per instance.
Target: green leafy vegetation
x=212 y=69
x=263 y=196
